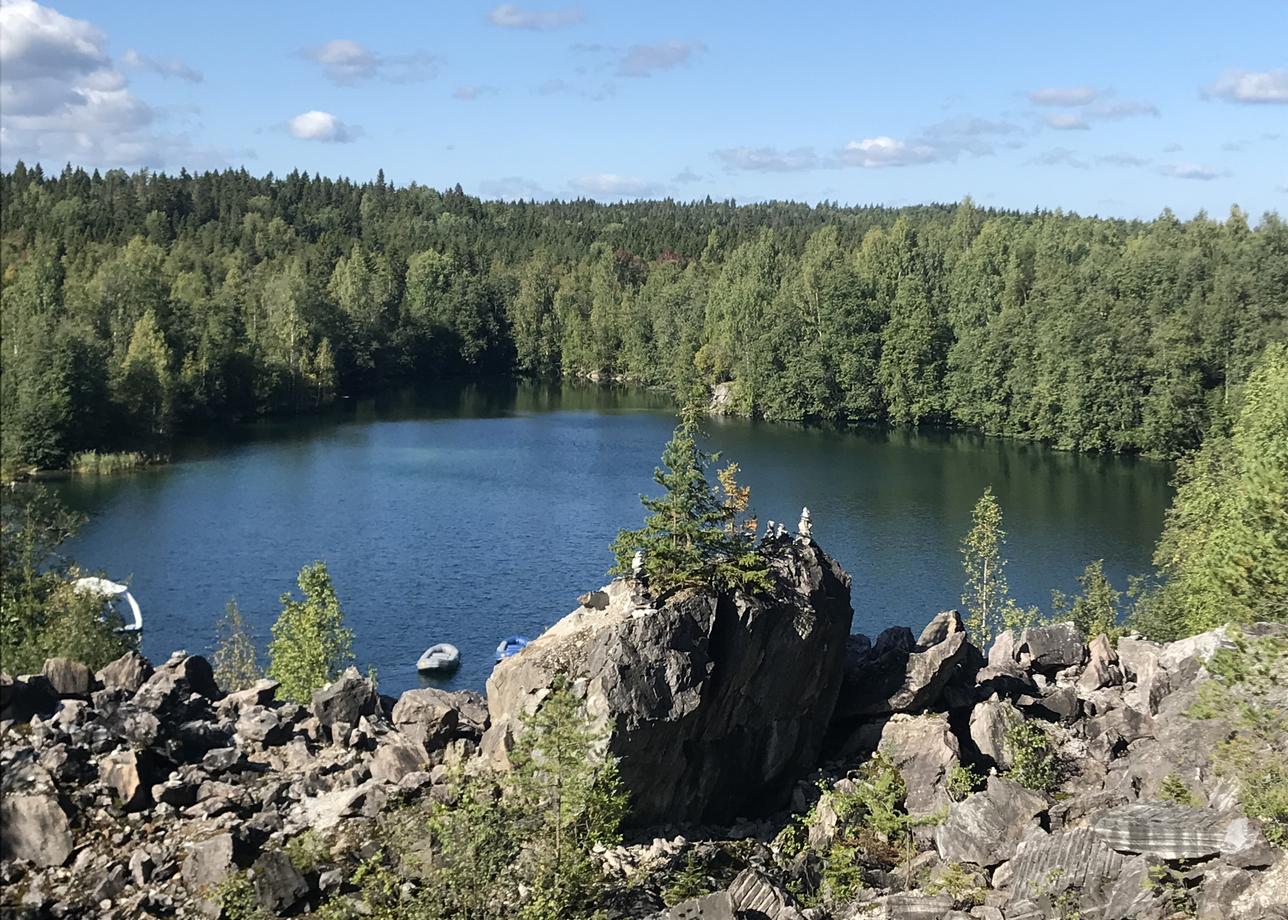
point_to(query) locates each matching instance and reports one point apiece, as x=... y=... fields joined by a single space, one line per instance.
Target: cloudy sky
x=1112 y=108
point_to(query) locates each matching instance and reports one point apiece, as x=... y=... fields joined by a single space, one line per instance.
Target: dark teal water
x=477 y=512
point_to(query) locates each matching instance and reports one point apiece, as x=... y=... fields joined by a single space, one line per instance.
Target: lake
x=478 y=511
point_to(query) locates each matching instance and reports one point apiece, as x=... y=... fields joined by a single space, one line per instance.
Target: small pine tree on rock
x=691 y=536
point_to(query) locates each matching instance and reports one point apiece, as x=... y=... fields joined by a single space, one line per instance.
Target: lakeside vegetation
x=137 y=305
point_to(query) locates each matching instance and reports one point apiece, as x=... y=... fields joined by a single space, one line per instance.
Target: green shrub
x=692 y=881
x=41 y=614
x=880 y=791
x=236 y=662
x=311 y=645
x=1173 y=789
x=1035 y=764
x=963 y=780
x=1095 y=610
x=1246 y=681
x=964 y=887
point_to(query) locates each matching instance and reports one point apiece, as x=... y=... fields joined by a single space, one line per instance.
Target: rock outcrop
x=714 y=702
x=142 y=791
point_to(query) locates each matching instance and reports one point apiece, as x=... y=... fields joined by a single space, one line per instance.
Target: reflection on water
x=465 y=514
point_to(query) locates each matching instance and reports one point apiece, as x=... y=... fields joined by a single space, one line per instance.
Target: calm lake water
x=477 y=512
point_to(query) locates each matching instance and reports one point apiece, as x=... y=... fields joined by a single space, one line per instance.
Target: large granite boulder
x=924 y=750
x=986 y=827
x=714 y=702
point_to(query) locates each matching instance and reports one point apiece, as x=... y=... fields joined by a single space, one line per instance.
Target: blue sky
x=1110 y=108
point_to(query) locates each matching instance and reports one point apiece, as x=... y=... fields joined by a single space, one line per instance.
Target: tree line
x=134 y=306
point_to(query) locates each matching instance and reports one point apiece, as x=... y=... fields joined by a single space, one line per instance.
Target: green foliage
x=986 y=596
x=515 y=844
x=92 y=463
x=842 y=874
x=311 y=645
x=692 y=535
x=1095 y=610
x=565 y=803
x=966 y=888
x=1035 y=763
x=139 y=304
x=1174 y=789
x=1223 y=556
x=236 y=899
x=1247 y=690
x=308 y=851
x=963 y=780
x=236 y=661
x=880 y=791
x=41 y=614
x=692 y=881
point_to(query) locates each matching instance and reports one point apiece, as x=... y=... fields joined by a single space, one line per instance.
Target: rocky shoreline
x=741 y=726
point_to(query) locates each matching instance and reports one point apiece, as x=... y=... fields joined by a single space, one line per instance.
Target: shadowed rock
x=714 y=702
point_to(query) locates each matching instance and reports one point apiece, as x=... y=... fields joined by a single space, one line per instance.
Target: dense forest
x=134 y=306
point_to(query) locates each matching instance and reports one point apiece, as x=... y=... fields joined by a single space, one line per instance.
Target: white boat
x=441 y=657
x=111 y=591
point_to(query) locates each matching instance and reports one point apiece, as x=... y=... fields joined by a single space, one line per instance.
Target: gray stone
x=896 y=675
x=1267 y=896
x=910 y=905
x=717 y=906
x=345 y=699
x=208 y=863
x=128 y=673
x=1073 y=858
x=714 y=703
x=1050 y=648
x=278 y=885
x=989 y=723
x=68 y=677
x=1245 y=845
x=34 y=828
x=594 y=600
x=923 y=749
x=141 y=867
x=433 y=717
x=1102 y=666
x=126 y=773
x=986 y=827
x=1162 y=829
x=261 y=725
x=20 y=699
x=396 y=757
x=262 y=693
x=1222 y=886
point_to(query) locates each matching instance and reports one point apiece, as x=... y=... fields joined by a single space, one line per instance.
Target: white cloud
x=686 y=176
x=768 y=159
x=166 y=67
x=879 y=152
x=1121 y=159
x=1250 y=86
x=62 y=99
x=596 y=92
x=613 y=186
x=346 y=62
x=511 y=16
x=1192 y=171
x=646 y=60
x=1064 y=96
x=1066 y=121
x=321 y=126
x=1123 y=108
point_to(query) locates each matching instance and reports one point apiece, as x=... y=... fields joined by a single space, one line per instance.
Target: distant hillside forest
x=138 y=305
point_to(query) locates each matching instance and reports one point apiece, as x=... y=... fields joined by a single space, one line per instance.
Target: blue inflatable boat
x=510 y=645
